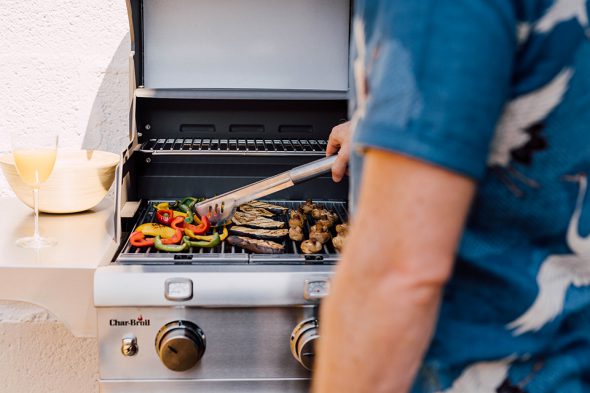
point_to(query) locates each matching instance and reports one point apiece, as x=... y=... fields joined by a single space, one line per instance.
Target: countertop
x=58 y=278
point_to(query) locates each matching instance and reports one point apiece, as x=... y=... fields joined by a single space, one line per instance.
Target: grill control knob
x=303 y=339
x=129 y=346
x=180 y=345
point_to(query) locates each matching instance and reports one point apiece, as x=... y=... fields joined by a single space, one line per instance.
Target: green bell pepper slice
x=215 y=241
x=169 y=247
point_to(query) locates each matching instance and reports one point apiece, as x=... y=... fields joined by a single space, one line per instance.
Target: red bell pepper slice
x=165 y=217
x=138 y=239
x=199 y=229
x=177 y=223
x=179 y=232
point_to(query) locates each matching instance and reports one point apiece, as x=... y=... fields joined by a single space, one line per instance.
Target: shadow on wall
x=108 y=124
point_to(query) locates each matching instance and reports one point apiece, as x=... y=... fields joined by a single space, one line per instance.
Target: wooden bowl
x=79 y=181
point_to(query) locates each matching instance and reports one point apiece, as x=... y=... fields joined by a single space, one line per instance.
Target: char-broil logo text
x=139 y=321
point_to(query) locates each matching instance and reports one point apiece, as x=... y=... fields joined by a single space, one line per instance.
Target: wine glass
x=34 y=158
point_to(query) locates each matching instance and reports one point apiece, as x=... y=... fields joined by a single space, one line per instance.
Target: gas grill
x=222 y=319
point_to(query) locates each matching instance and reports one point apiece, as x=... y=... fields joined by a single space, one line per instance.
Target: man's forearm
x=379 y=319
x=383 y=333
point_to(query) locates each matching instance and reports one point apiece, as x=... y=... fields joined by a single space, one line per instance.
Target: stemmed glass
x=34 y=158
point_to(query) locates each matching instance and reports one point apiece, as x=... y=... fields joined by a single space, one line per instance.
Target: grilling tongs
x=221 y=208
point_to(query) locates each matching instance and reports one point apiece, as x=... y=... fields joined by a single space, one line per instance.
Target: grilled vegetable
x=296 y=233
x=256 y=246
x=214 y=242
x=319 y=233
x=311 y=247
x=137 y=239
x=317 y=213
x=165 y=217
x=318 y=227
x=258 y=233
x=198 y=229
x=169 y=247
x=192 y=236
x=241 y=218
x=322 y=237
x=174 y=239
x=338 y=242
x=257 y=211
x=153 y=229
x=268 y=206
x=297 y=219
x=307 y=206
x=187 y=210
x=167 y=206
x=342 y=229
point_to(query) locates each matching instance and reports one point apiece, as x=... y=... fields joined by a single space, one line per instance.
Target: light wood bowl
x=79 y=181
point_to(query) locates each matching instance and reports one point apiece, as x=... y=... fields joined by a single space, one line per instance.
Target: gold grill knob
x=180 y=345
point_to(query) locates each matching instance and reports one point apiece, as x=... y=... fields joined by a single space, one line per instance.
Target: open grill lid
x=264 y=46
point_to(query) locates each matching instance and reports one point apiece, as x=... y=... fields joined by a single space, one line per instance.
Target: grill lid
x=244 y=45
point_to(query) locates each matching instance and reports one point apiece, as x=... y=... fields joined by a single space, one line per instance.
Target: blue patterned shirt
x=498 y=91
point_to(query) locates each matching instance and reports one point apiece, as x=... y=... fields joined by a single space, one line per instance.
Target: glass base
x=36 y=242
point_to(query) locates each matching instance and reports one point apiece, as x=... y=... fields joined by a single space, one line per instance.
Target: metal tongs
x=221 y=208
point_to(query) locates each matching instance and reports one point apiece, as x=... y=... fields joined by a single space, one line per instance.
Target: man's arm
x=378 y=321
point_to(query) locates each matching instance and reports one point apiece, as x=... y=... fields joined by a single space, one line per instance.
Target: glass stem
x=36 y=207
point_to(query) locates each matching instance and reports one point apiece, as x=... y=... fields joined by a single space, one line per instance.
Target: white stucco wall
x=63 y=66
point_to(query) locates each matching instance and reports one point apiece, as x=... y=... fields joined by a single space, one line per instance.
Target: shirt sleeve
x=430 y=78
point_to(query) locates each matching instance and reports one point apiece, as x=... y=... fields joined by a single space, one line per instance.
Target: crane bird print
x=482 y=377
x=559 y=272
x=562 y=11
x=520 y=130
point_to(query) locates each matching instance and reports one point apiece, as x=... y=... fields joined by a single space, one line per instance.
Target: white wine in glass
x=34 y=158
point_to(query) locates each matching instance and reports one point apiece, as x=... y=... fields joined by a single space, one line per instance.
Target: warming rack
x=251 y=147
x=225 y=253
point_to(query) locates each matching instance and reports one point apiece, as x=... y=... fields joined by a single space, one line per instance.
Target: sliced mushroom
x=311 y=247
x=296 y=234
x=339 y=242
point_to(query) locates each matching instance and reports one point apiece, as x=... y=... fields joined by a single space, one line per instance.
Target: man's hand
x=339 y=142
x=378 y=320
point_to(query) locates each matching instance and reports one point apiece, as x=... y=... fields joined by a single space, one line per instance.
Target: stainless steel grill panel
x=225 y=253
x=251 y=147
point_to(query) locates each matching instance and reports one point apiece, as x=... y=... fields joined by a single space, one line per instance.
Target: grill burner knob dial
x=303 y=340
x=180 y=345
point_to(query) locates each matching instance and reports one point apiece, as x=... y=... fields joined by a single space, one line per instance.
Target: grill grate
x=255 y=147
x=226 y=253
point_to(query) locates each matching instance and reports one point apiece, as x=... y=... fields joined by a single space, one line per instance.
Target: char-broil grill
x=224 y=94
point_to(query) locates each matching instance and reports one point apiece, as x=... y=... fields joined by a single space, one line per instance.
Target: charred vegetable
x=251 y=220
x=153 y=229
x=297 y=219
x=296 y=233
x=338 y=242
x=213 y=242
x=342 y=229
x=258 y=233
x=268 y=206
x=311 y=247
x=308 y=206
x=256 y=246
x=169 y=247
x=257 y=211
